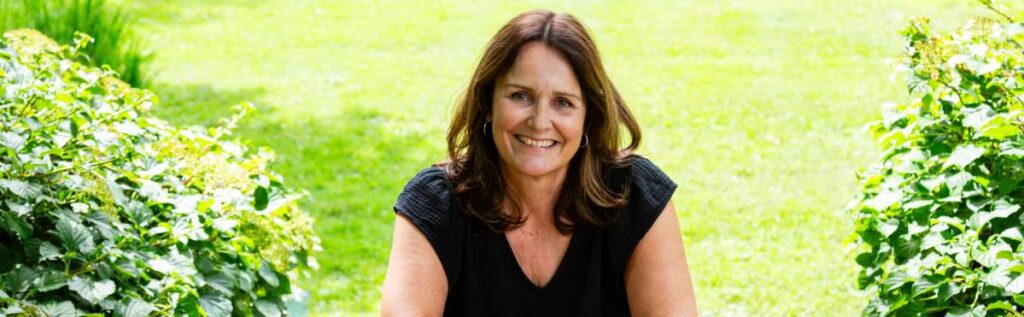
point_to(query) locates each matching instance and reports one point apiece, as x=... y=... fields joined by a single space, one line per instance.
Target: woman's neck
x=536 y=195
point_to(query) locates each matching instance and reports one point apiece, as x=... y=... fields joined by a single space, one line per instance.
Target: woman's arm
x=415 y=284
x=657 y=278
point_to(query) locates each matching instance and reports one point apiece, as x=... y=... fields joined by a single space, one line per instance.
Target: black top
x=484 y=278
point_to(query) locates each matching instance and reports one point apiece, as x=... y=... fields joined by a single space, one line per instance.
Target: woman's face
x=538 y=113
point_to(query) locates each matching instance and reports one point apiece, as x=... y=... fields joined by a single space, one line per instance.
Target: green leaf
x=948 y=290
x=19 y=279
x=12 y=140
x=138 y=213
x=1012 y=233
x=74 y=236
x=220 y=282
x=979 y=220
x=48 y=251
x=261 y=198
x=268 y=308
x=58 y=309
x=866 y=259
x=246 y=281
x=20 y=210
x=918 y=203
x=894 y=280
x=1018 y=299
x=173 y=263
x=977 y=203
x=50 y=280
x=1011 y=148
x=956 y=182
x=268 y=275
x=1016 y=286
x=22 y=189
x=975 y=118
x=932 y=184
x=931 y=240
x=92 y=291
x=115 y=191
x=992 y=256
x=15 y=225
x=134 y=307
x=927 y=284
x=963 y=156
x=967 y=311
x=14 y=309
x=885 y=199
x=889 y=226
x=188 y=306
x=1000 y=305
x=1002 y=208
x=999 y=127
x=215 y=305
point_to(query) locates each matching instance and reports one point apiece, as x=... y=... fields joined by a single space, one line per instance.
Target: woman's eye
x=520 y=97
x=562 y=103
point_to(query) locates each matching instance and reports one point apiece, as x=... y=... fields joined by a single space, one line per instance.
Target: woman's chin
x=538 y=168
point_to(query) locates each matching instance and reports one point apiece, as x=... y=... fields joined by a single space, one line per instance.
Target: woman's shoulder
x=428 y=193
x=426 y=202
x=649 y=191
x=649 y=177
x=430 y=180
x=640 y=174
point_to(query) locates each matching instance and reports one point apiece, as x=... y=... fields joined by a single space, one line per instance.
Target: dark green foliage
x=115 y=44
x=107 y=210
x=939 y=221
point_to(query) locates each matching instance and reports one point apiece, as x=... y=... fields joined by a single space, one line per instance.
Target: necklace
x=530 y=233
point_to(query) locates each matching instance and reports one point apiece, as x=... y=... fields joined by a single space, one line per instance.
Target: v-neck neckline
x=558 y=271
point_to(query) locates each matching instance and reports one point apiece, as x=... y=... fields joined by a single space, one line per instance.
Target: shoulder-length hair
x=473 y=167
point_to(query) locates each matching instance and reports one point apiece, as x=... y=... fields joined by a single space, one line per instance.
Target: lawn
x=754 y=107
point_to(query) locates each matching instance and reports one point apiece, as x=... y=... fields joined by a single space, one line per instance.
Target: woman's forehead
x=541 y=67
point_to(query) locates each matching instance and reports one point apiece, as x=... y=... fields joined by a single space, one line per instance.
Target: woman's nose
x=540 y=116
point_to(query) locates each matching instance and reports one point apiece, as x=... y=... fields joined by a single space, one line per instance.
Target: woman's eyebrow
x=559 y=93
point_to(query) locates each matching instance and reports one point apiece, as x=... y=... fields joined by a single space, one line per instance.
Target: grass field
x=753 y=107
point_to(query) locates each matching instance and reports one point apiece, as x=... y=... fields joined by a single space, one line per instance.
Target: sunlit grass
x=753 y=107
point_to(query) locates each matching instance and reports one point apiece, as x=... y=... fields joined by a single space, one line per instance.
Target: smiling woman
x=540 y=209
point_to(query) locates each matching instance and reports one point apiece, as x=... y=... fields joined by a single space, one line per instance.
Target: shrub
x=939 y=222
x=115 y=44
x=106 y=209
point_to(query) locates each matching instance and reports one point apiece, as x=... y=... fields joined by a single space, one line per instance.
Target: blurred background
x=754 y=108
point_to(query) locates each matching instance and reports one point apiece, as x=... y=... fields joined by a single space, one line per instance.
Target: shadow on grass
x=186 y=105
x=354 y=165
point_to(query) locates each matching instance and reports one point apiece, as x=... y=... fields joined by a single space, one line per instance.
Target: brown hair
x=473 y=168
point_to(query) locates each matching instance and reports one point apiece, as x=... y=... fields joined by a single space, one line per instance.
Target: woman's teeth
x=535 y=143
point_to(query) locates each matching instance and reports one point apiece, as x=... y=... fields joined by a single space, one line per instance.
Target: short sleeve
x=649 y=193
x=426 y=201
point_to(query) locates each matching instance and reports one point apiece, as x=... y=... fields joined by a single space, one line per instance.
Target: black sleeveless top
x=484 y=278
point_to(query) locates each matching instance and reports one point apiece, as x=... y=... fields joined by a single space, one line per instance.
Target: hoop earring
x=586 y=141
x=485 y=128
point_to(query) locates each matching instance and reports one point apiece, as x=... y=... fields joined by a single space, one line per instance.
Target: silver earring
x=485 y=128
x=586 y=141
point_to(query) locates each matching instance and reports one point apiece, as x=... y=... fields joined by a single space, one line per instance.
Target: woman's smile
x=536 y=143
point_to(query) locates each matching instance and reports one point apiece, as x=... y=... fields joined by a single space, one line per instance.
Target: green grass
x=753 y=107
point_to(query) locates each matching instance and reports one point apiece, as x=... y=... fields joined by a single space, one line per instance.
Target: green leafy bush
x=939 y=223
x=105 y=209
x=114 y=45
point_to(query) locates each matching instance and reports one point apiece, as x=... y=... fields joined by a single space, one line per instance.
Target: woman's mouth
x=535 y=142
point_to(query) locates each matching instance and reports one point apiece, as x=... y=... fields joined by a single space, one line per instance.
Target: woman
x=540 y=210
